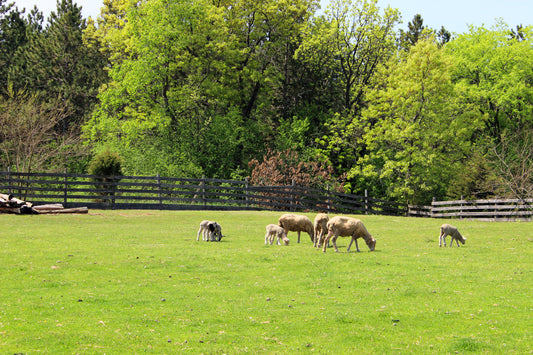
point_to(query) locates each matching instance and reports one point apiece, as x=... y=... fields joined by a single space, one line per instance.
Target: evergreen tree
x=56 y=65
x=413 y=34
x=12 y=37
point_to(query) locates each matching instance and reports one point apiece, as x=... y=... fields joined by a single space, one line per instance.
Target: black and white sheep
x=348 y=227
x=211 y=231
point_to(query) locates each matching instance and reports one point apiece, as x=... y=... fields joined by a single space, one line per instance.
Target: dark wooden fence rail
x=156 y=192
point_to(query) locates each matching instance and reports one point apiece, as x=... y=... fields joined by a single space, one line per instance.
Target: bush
x=107 y=166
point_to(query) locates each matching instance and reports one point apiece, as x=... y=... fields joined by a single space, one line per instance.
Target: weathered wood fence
x=493 y=210
x=156 y=192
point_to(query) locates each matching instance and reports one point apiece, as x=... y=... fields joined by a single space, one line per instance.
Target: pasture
x=133 y=282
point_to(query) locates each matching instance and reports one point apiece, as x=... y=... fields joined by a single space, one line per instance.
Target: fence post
x=65 y=188
x=203 y=190
x=461 y=208
x=366 y=201
x=328 y=199
x=246 y=192
x=159 y=196
x=9 y=180
x=292 y=195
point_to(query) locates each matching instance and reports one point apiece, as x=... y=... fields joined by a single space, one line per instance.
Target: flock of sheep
x=338 y=226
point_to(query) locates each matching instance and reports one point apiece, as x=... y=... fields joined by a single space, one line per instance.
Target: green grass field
x=119 y=282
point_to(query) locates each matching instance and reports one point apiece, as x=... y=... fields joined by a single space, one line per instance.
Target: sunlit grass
x=132 y=281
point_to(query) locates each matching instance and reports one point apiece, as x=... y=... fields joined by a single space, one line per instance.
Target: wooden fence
x=492 y=210
x=156 y=192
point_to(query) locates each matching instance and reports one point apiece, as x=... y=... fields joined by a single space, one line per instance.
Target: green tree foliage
x=55 y=64
x=415 y=28
x=200 y=82
x=416 y=134
x=202 y=87
x=344 y=50
x=12 y=36
x=494 y=73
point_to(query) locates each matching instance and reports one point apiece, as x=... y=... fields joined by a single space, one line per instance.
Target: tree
x=56 y=65
x=415 y=28
x=204 y=83
x=493 y=73
x=417 y=135
x=512 y=161
x=12 y=37
x=358 y=37
x=28 y=140
x=344 y=51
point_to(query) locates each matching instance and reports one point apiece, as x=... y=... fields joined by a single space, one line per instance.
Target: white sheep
x=297 y=223
x=203 y=229
x=453 y=232
x=348 y=227
x=211 y=231
x=273 y=231
x=320 y=228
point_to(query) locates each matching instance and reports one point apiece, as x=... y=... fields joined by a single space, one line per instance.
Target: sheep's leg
x=198 y=235
x=326 y=240
x=350 y=245
x=266 y=238
x=318 y=239
x=442 y=239
x=457 y=241
x=334 y=241
x=357 y=245
x=298 y=237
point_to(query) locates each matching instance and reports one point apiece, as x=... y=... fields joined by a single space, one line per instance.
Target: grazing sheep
x=211 y=231
x=297 y=223
x=274 y=231
x=203 y=229
x=347 y=227
x=321 y=228
x=448 y=229
x=215 y=232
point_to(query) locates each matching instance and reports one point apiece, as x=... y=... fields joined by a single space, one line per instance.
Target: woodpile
x=11 y=204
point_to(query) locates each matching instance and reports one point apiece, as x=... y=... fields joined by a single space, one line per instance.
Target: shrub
x=107 y=167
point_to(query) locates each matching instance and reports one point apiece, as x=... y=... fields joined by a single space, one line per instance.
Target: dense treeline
x=273 y=89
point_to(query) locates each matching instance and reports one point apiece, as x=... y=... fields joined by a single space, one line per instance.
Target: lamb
x=321 y=228
x=274 y=231
x=297 y=223
x=211 y=231
x=346 y=227
x=453 y=232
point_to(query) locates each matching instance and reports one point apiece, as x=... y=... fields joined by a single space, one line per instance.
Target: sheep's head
x=285 y=240
x=462 y=240
x=371 y=242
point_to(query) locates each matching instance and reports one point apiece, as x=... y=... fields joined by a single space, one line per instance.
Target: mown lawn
x=119 y=282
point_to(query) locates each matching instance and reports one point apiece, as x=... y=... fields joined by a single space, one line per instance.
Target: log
x=52 y=206
x=5 y=197
x=65 y=210
x=14 y=210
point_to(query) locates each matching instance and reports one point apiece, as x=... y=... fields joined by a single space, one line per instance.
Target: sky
x=455 y=15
